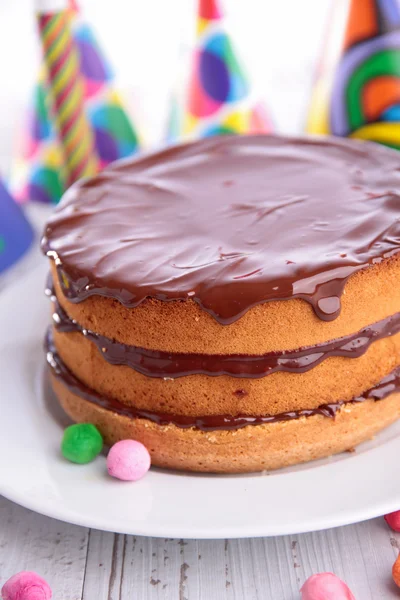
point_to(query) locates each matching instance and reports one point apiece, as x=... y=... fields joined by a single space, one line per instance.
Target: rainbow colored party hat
x=115 y=135
x=357 y=89
x=39 y=172
x=217 y=99
x=16 y=234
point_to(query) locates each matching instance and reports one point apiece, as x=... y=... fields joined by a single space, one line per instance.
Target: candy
x=128 y=460
x=26 y=585
x=81 y=443
x=325 y=586
x=393 y=520
x=396 y=571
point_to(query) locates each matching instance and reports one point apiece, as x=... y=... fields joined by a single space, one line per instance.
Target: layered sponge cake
x=234 y=303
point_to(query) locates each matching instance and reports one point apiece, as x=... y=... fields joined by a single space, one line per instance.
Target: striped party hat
x=40 y=171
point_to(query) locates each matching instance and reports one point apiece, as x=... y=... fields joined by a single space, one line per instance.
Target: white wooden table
x=84 y=564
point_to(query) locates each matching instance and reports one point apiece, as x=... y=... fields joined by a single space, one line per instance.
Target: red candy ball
x=393 y=520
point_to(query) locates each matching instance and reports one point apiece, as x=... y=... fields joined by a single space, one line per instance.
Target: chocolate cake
x=234 y=303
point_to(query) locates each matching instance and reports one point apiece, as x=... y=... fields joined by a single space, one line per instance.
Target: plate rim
x=63 y=512
x=201 y=534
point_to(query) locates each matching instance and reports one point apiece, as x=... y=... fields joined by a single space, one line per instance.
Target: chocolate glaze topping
x=154 y=363
x=230 y=222
x=386 y=386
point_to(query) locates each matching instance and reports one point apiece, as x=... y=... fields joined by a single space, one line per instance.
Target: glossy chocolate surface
x=230 y=223
x=386 y=386
x=154 y=363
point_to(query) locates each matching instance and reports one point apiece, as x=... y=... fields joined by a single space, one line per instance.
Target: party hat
x=66 y=90
x=16 y=234
x=174 y=121
x=39 y=173
x=115 y=135
x=177 y=96
x=357 y=89
x=218 y=98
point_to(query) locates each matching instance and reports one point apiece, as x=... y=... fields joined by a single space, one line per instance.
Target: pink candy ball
x=26 y=586
x=128 y=460
x=393 y=520
x=325 y=586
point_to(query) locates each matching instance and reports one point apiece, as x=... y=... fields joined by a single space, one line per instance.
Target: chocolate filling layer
x=230 y=222
x=384 y=388
x=154 y=363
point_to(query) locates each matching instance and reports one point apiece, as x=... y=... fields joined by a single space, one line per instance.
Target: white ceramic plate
x=345 y=489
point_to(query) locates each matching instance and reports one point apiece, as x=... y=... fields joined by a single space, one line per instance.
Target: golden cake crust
x=252 y=448
x=232 y=230
x=337 y=378
x=182 y=326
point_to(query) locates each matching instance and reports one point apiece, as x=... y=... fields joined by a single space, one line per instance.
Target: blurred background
x=146 y=43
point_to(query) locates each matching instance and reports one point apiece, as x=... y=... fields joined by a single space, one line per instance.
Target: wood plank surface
x=82 y=564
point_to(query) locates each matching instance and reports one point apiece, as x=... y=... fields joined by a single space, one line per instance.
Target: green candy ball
x=81 y=443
